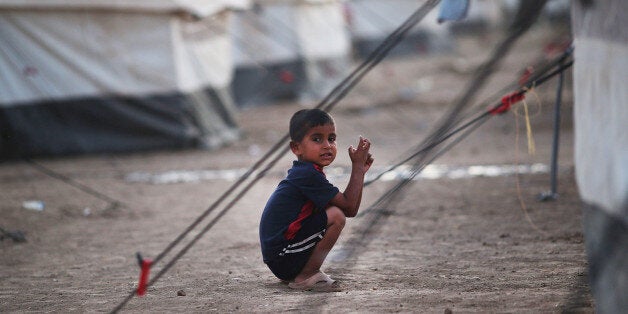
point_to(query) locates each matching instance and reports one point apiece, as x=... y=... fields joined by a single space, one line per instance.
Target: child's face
x=318 y=145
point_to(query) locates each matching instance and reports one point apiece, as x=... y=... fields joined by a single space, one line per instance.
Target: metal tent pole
x=553 y=194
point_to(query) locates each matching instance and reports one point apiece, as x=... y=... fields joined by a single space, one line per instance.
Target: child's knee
x=335 y=216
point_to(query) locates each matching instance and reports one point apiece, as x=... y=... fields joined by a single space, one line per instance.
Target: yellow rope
x=522 y=203
x=530 y=136
x=531 y=146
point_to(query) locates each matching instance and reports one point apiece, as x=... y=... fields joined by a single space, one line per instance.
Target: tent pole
x=553 y=194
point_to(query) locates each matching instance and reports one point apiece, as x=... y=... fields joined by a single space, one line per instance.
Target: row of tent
x=95 y=76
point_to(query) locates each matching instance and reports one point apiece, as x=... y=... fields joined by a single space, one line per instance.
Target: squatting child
x=305 y=214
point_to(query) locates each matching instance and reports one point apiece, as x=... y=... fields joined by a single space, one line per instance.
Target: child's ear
x=294 y=146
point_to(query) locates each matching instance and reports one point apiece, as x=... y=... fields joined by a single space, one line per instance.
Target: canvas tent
x=600 y=30
x=325 y=46
x=266 y=55
x=371 y=21
x=288 y=49
x=92 y=76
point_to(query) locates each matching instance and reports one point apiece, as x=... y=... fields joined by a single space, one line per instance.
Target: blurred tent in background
x=483 y=15
x=286 y=50
x=371 y=21
x=268 y=66
x=289 y=49
x=93 y=76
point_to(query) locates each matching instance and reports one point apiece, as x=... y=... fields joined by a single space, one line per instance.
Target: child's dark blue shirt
x=304 y=190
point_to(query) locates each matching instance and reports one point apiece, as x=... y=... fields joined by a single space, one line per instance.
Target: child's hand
x=368 y=163
x=360 y=155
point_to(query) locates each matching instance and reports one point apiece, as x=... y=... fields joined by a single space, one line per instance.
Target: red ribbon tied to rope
x=145 y=265
x=508 y=101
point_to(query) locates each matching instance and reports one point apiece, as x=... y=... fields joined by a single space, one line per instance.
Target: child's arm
x=361 y=160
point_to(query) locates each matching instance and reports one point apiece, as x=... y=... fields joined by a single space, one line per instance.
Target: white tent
x=285 y=49
x=371 y=21
x=600 y=30
x=266 y=55
x=89 y=76
x=325 y=45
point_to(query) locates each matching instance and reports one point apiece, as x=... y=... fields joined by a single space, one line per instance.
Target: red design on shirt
x=295 y=226
x=306 y=211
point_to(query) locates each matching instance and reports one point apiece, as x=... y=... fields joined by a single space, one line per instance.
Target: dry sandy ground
x=478 y=244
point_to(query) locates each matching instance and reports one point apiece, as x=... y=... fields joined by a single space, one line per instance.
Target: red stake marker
x=144 y=274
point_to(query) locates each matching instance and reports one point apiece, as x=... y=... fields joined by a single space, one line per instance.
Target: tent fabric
x=110 y=53
x=48 y=57
x=263 y=36
x=115 y=125
x=377 y=19
x=325 y=46
x=268 y=66
x=600 y=110
x=320 y=29
x=289 y=49
x=111 y=81
x=371 y=21
x=199 y=8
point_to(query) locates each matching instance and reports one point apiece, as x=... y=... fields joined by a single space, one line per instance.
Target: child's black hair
x=305 y=119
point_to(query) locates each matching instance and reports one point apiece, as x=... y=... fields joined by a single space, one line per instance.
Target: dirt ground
x=474 y=244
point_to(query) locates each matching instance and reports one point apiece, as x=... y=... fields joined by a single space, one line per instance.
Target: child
x=304 y=216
